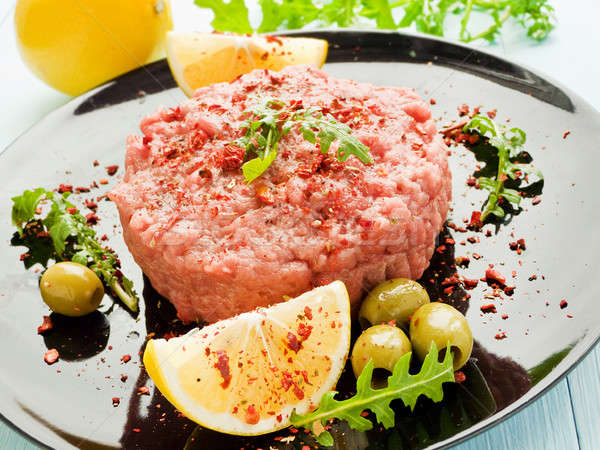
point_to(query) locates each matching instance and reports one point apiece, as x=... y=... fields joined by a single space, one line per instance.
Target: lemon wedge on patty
x=245 y=375
x=200 y=59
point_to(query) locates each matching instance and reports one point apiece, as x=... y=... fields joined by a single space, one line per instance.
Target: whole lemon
x=75 y=45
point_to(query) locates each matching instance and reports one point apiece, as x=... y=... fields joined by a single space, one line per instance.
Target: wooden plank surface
x=548 y=423
x=584 y=388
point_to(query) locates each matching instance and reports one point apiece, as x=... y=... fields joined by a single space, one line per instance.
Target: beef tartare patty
x=216 y=246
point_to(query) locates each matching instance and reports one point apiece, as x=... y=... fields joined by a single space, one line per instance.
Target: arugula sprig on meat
x=270 y=119
x=507 y=146
x=63 y=235
x=400 y=385
x=427 y=16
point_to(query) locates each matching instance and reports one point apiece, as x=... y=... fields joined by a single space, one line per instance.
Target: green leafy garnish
x=63 y=235
x=400 y=385
x=427 y=16
x=507 y=146
x=270 y=119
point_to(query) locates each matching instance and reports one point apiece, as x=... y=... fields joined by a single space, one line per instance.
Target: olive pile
x=404 y=303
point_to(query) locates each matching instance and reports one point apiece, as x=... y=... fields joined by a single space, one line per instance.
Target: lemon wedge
x=200 y=59
x=245 y=375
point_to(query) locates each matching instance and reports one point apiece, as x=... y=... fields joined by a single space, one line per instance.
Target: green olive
x=396 y=299
x=71 y=289
x=444 y=325
x=384 y=344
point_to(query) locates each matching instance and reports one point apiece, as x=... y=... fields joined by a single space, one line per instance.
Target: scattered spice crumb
x=46 y=325
x=111 y=170
x=51 y=356
x=563 y=304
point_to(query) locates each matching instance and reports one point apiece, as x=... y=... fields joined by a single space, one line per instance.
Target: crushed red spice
x=489 y=308
x=492 y=275
x=293 y=343
x=500 y=336
x=116 y=401
x=563 y=304
x=252 y=416
x=62 y=188
x=459 y=376
x=125 y=358
x=51 y=356
x=144 y=390
x=46 y=325
x=222 y=365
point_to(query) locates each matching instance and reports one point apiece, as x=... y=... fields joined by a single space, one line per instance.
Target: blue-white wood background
x=566 y=417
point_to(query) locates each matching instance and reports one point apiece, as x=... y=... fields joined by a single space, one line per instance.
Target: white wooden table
x=568 y=416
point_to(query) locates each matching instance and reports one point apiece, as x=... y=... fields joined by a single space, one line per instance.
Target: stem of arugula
x=491 y=29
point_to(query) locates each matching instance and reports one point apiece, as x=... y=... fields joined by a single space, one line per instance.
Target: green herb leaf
x=63 y=235
x=507 y=146
x=428 y=16
x=270 y=119
x=24 y=206
x=231 y=16
x=400 y=385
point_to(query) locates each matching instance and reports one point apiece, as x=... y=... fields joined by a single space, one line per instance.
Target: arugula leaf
x=232 y=16
x=24 y=206
x=63 y=235
x=270 y=119
x=293 y=14
x=379 y=10
x=427 y=16
x=507 y=146
x=400 y=385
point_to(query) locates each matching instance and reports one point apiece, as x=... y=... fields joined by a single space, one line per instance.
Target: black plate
x=70 y=403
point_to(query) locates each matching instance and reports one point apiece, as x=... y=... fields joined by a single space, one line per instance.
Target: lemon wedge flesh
x=245 y=375
x=200 y=59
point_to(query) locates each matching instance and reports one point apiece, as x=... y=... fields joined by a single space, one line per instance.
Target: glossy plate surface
x=70 y=403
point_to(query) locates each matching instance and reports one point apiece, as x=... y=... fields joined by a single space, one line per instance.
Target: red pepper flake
x=563 y=304
x=451 y=281
x=116 y=401
x=126 y=358
x=476 y=256
x=223 y=365
x=72 y=210
x=449 y=241
x=103 y=181
x=124 y=378
x=80 y=189
x=504 y=316
x=472 y=239
x=144 y=390
x=475 y=223
x=449 y=290
x=252 y=416
x=292 y=342
x=492 y=114
x=136 y=430
x=500 y=336
x=432 y=101
x=459 y=377
x=441 y=249
x=91 y=204
x=493 y=275
x=96 y=163
x=308 y=312
x=536 y=200
x=509 y=290
x=532 y=277
x=265 y=194
x=51 y=356
x=471 y=181
x=46 y=325
x=566 y=133
x=470 y=283
x=462 y=261
x=304 y=331
x=463 y=110
x=570 y=316
x=62 y=188
x=91 y=219
x=489 y=308
x=299 y=393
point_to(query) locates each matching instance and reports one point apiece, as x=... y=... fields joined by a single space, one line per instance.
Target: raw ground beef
x=216 y=246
